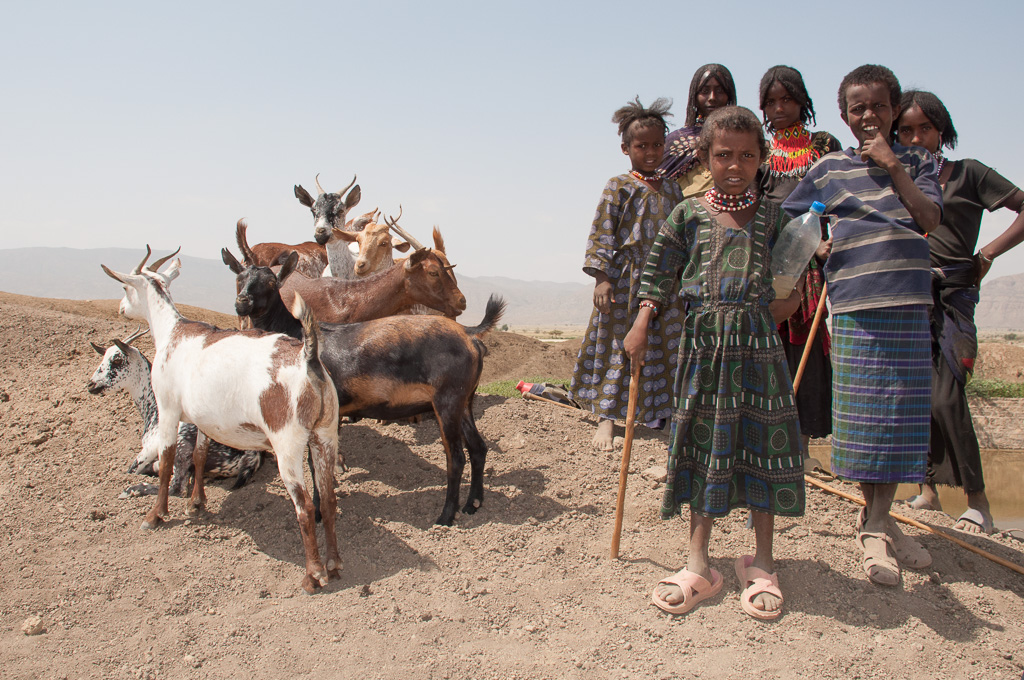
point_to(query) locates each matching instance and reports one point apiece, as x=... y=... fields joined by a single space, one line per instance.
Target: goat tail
x=496 y=306
x=311 y=338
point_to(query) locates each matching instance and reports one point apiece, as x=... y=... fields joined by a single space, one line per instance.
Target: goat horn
x=248 y=259
x=139 y=332
x=138 y=269
x=402 y=232
x=318 y=187
x=342 y=192
x=159 y=263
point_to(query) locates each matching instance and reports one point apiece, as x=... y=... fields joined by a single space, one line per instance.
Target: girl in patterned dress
x=632 y=209
x=735 y=432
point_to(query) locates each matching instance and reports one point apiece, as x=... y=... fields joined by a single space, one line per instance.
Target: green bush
x=992 y=389
x=1010 y=336
x=507 y=388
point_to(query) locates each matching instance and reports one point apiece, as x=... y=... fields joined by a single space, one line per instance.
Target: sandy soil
x=522 y=589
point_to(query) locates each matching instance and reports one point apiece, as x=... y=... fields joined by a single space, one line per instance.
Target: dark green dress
x=736 y=436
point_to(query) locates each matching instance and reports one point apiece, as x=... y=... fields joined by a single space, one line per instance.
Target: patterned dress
x=628 y=218
x=735 y=438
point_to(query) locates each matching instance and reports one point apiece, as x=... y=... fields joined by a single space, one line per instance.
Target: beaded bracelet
x=650 y=305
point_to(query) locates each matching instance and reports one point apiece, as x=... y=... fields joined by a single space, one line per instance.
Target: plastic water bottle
x=532 y=388
x=794 y=249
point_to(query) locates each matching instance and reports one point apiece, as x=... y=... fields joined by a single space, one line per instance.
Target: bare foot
x=602 y=440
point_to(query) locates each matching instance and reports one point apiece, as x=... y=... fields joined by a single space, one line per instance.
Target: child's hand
x=603 y=296
x=878 y=150
x=824 y=249
x=635 y=342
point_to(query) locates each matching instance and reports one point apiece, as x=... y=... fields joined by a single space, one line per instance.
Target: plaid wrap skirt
x=881 y=394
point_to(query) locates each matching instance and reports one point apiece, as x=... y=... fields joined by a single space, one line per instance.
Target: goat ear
x=172 y=270
x=417 y=258
x=288 y=267
x=438 y=241
x=99 y=350
x=344 y=235
x=353 y=197
x=400 y=246
x=230 y=261
x=121 y=346
x=303 y=196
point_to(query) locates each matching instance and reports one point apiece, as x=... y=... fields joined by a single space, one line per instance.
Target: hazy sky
x=132 y=122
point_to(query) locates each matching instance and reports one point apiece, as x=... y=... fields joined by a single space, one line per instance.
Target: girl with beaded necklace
x=969 y=188
x=735 y=430
x=787 y=109
x=632 y=208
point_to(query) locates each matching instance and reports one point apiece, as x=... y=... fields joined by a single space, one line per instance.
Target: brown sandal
x=907 y=550
x=880 y=563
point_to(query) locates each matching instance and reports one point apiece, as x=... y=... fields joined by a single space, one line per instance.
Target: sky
x=127 y=123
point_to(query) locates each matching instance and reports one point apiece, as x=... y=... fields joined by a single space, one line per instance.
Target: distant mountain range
x=75 y=274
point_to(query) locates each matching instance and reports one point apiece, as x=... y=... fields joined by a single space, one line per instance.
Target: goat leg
x=289 y=465
x=451 y=438
x=477 y=459
x=198 y=500
x=159 y=510
x=323 y=461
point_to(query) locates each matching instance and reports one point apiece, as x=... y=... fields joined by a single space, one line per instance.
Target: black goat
x=396 y=367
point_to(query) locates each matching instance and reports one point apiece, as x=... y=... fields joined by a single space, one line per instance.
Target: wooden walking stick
x=627 y=447
x=810 y=339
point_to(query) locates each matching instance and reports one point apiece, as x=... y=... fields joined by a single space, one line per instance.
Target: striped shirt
x=879 y=255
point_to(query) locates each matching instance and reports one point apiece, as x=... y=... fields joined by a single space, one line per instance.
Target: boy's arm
x=926 y=213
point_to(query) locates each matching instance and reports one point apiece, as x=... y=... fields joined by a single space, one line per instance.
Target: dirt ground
x=524 y=588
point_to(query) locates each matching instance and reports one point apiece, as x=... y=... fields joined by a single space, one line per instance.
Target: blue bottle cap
x=818 y=208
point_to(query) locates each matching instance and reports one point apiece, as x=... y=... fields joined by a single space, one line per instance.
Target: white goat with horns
x=246 y=389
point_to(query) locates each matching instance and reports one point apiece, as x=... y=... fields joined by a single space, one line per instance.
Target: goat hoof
x=193 y=509
x=151 y=524
x=310 y=585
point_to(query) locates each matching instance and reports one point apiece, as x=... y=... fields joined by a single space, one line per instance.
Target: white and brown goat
x=247 y=389
x=124 y=367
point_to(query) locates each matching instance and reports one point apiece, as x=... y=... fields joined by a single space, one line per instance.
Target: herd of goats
x=324 y=334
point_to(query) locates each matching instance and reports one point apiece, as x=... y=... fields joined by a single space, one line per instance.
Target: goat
x=329 y=209
x=124 y=367
x=376 y=246
x=397 y=367
x=247 y=389
x=425 y=277
x=343 y=247
x=312 y=256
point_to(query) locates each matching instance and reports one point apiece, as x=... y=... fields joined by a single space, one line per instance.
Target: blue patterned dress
x=627 y=220
x=736 y=435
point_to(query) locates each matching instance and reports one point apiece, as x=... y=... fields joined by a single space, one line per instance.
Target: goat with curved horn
x=393 y=223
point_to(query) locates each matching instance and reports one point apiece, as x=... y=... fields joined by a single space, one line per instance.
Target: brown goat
x=425 y=278
x=312 y=256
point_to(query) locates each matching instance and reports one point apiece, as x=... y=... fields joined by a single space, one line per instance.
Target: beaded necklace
x=941 y=160
x=723 y=202
x=653 y=177
x=792 y=151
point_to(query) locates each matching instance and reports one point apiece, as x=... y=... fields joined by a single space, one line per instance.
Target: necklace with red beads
x=653 y=177
x=723 y=202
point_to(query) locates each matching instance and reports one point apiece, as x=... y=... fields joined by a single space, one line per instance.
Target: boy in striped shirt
x=885 y=198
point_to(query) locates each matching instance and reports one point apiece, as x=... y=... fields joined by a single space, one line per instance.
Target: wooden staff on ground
x=627 y=447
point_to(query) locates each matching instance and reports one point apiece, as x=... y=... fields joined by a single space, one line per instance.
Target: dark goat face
x=329 y=210
x=257 y=287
